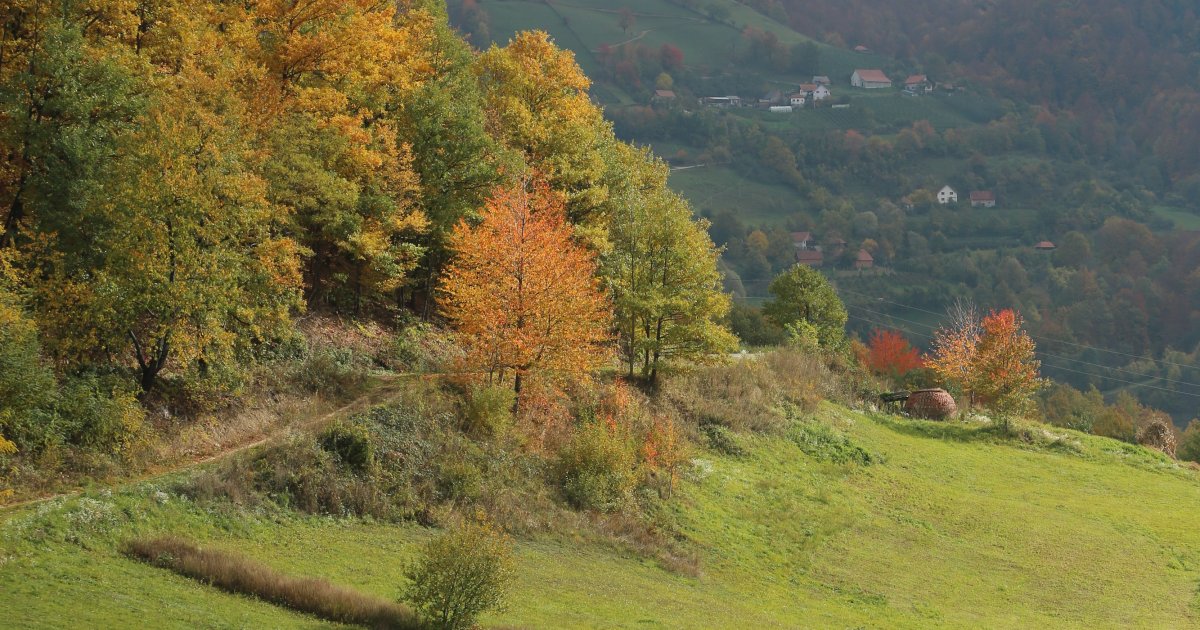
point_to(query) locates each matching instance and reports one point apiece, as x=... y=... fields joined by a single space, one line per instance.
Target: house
x=861 y=49
x=871 y=79
x=864 y=260
x=722 y=101
x=810 y=257
x=1045 y=246
x=820 y=93
x=808 y=88
x=802 y=240
x=821 y=79
x=663 y=96
x=797 y=99
x=947 y=195
x=983 y=199
x=918 y=84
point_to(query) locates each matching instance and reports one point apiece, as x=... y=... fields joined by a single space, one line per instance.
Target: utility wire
x=1039 y=339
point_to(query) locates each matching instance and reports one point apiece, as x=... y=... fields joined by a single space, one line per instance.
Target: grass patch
x=238 y=574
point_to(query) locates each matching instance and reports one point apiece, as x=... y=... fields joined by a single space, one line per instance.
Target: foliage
x=803 y=294
x=890 y=353
x=597 y=467
x=661 y=272
x=1189 y=444
x=522 y=294
x=351 y=443
x=825 y=443
x=487 y=410
x=464 y=572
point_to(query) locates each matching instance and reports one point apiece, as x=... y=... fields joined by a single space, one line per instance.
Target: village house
x=947 y=195
x=864 y=260
x=918 y=84
x=722 y=101
x=820 y=93
x=807 y=88
x=802 y=240
x=1045 y=246
x=663 y=96
x=810 y=257
x=861 y=49
x=821 y=79
x=983 y=199
x=871 y=79
x=797 y=99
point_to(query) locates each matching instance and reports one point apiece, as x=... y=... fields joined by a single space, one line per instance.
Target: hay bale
x=1158 y=435
x=932 y=404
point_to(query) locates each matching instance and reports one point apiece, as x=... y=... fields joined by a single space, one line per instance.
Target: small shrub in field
x=460 y=575
x=352 y=445
x=596 y=468
x=826 y=443
x=487 y=411
x=722 y=440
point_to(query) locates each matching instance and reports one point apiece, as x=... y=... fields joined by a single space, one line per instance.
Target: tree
x=661 y=271
x=954 y=346
x=890 y=353
x=625 y=19
x=522 y=294
x=461 y=574
x=1006 y=365
x=803 y=294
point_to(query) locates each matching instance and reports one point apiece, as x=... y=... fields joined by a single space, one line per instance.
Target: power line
x=1048 y=354
x=1039 y=339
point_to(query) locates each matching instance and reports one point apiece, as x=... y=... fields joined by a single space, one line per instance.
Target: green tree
x=661 y=271
x=803 y=294
x=461 y=574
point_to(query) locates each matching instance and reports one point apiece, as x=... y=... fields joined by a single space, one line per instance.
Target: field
x=953 y=527
x=1182 y=219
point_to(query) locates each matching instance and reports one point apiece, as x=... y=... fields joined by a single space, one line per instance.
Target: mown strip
x=238 y=574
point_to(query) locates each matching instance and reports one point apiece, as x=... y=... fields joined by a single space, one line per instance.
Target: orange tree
x=890 y=353
x=522 y=294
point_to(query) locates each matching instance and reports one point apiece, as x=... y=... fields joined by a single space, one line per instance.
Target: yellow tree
x=522 y=294
x=1006 y=365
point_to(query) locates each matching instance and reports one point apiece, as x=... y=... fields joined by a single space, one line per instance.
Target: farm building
x=871 y=79
x=983 y=199
x=723 y=101
x=864 y=260
x=802 y=240
x=1045 y=246
x=947 y=195
x=797 y=99
x=917 y=84
x=810 y=257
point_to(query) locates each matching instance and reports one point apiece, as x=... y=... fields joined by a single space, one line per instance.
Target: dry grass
x=238 y=574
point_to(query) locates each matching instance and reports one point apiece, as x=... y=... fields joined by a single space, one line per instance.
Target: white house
x=871 y=79
x=947 y=195
x=797 y=99
x=820 y=93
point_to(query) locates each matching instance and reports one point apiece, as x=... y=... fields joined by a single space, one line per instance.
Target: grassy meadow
x=951 y=525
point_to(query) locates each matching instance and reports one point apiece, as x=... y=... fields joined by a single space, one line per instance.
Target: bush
x=828 y=444
x=102 y=414
x=352 y=445
x=459 y=481
x=596 y=468
x=722 y=440
x=461 y=574
x=487 y=411
x=333 y=371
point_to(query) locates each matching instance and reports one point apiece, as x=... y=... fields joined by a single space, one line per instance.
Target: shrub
x=102 y=414
x=487 y=410
x=238 y=574
x=828 y=444
x=722 y=440
x=333 y=371
x=351 y=443
x=596 y=468
x=459 y=481
x=461 y=574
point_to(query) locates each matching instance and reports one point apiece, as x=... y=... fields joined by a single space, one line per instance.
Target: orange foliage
x=1006 y=364
x=890 y=353
x=522 y=294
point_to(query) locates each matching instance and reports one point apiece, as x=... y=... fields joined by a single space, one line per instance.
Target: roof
x=798 y=95
x=664 y=93
x=820 y=78
x=982 y=195
x=864 y=256
x=916 y=78
x=1044 y=245
x=809 y=256
x=873 y=75
x=808 y=87
x=945 y=188
x=861 y=48
x=800 y=237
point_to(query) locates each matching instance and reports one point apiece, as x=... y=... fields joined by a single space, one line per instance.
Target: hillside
x=951 y=526
x=862 y=176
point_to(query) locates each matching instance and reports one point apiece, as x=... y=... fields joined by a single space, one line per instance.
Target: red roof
x=982 y=195
x=800 y=237
x=864 y=256
x=873 y=76
x=916 y=78
x=809 y=257
x=664 y=93
x=861 y=48
x=1044 y=245
x=808 y=87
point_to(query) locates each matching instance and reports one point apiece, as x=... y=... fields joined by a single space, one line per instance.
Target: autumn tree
x=661 y=271
x=954 y=347
x=522 y=294
x=626 y=19
x=890 y=353
x=802 y=294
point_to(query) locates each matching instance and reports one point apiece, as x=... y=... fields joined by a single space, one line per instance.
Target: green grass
x=955 y=527
x=714 y=189
x=1182 y=219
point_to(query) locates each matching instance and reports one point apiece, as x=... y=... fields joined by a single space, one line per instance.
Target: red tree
x=671 y=57
x=890 y=353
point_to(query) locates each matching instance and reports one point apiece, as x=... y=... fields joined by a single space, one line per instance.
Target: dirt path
x=384 y=391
